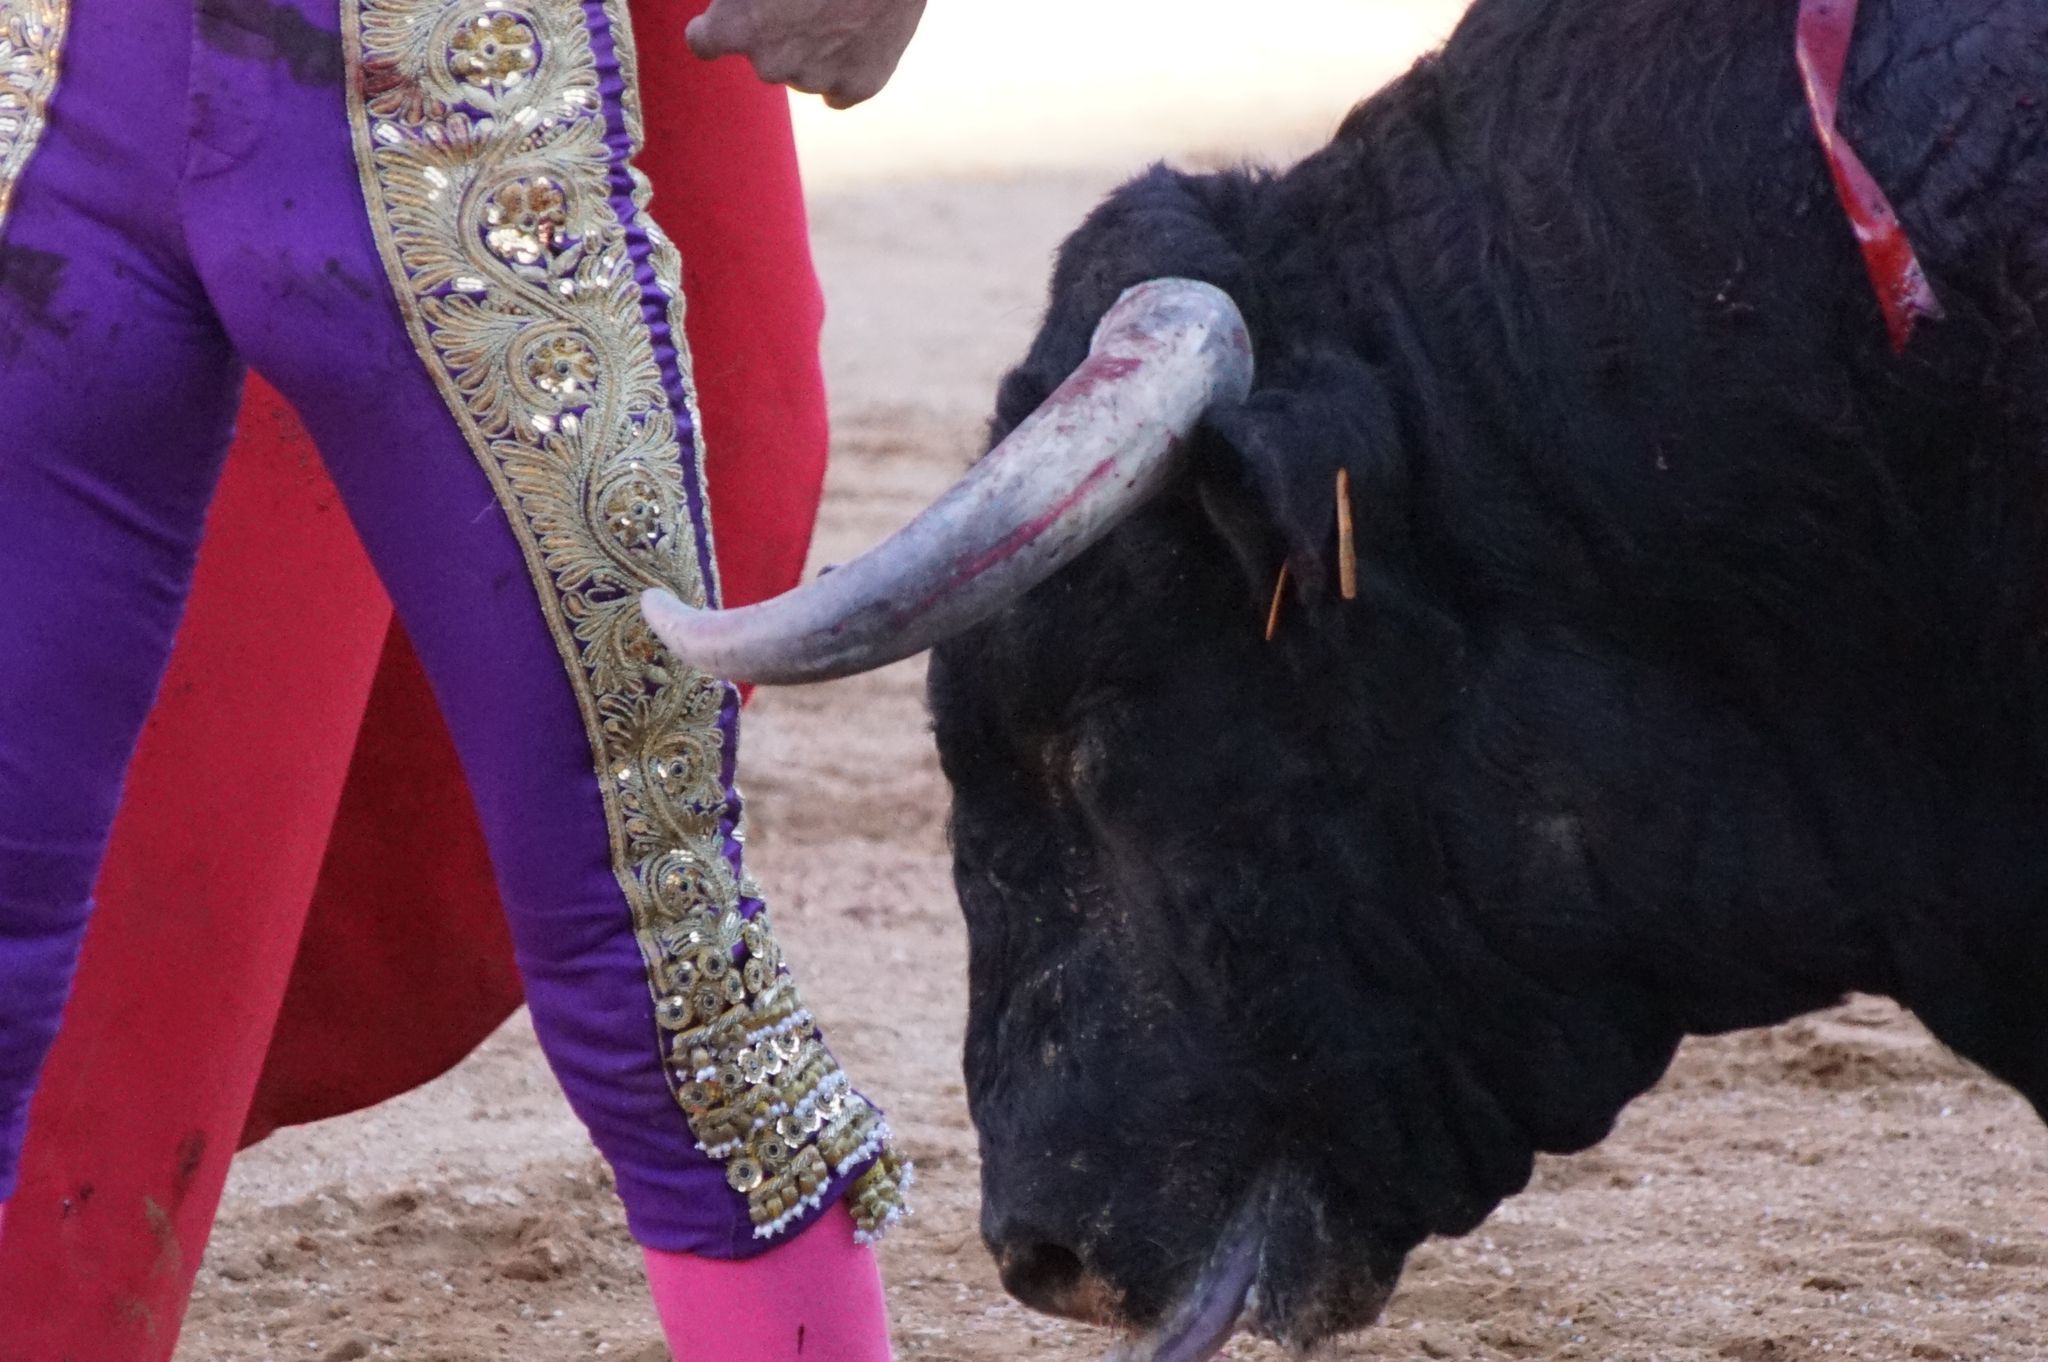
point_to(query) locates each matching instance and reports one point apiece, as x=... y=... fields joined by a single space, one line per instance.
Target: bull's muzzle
x=1106 y=440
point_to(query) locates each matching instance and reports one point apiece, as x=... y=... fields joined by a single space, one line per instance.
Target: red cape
x=297 y=917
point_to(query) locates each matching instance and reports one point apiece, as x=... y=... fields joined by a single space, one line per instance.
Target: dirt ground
x=1836 y=1188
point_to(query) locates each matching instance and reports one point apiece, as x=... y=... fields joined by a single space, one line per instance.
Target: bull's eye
x=1070 y=763
x=1087 y=759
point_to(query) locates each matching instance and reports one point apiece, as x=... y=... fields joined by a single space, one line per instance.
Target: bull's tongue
x=1202 y=1323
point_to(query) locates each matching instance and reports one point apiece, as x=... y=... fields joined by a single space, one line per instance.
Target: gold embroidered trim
x=666 y=261
x=31 y=37
x=480 y=132
x=879 y=1197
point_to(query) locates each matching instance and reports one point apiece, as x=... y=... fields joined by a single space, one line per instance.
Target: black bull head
x=1692 y=671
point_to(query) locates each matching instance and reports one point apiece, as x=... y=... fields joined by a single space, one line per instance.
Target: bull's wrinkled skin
x=1698 y=674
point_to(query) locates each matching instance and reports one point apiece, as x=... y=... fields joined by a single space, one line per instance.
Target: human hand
x=845 y=50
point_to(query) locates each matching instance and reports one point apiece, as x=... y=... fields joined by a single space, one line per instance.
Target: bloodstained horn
x=1106 y=440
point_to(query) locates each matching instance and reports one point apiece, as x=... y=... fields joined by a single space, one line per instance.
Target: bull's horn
x=1107 y=438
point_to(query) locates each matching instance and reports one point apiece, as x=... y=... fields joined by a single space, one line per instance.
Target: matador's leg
x=441 y=260
x=117 y=390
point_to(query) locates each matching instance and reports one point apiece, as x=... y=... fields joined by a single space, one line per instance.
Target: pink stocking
x=816 y=1298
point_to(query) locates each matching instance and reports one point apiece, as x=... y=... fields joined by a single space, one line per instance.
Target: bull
x=1670 y=656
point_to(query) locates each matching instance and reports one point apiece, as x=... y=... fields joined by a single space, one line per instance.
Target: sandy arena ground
x=1837 y=1188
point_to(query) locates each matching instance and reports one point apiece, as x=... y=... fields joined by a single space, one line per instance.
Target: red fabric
x=296 y=918
x=406 y=962
x=224 y=823
x=1826 y=29
x=754 y=304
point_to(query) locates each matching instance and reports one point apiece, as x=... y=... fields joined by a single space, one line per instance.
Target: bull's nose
x=1053 y=1278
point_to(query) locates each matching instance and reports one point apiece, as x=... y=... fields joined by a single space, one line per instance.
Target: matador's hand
x=845 y=50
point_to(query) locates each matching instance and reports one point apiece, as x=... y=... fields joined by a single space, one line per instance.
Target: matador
x=422 y=222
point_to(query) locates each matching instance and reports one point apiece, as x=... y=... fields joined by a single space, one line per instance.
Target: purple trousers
x=418 y=220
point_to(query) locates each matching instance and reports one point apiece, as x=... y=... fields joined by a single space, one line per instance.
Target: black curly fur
x=1697 y=677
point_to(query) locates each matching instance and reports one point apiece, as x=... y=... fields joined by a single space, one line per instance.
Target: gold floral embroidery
x=527 y=220
x=495 y=50
x=31 y=36
x=481 y=137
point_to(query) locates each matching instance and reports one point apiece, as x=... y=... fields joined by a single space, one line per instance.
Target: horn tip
x=666 y=615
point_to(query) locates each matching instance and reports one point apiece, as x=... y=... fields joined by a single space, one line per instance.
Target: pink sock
x=816 y=1298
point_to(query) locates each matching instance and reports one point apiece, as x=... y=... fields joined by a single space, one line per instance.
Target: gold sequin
x=31 y=39
x=877 y=1197
x=481 y=137
x=526 y=223
x=493 y=50
x=559 y=367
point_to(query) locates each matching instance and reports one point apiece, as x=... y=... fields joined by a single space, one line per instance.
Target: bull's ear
x=1314 y=412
